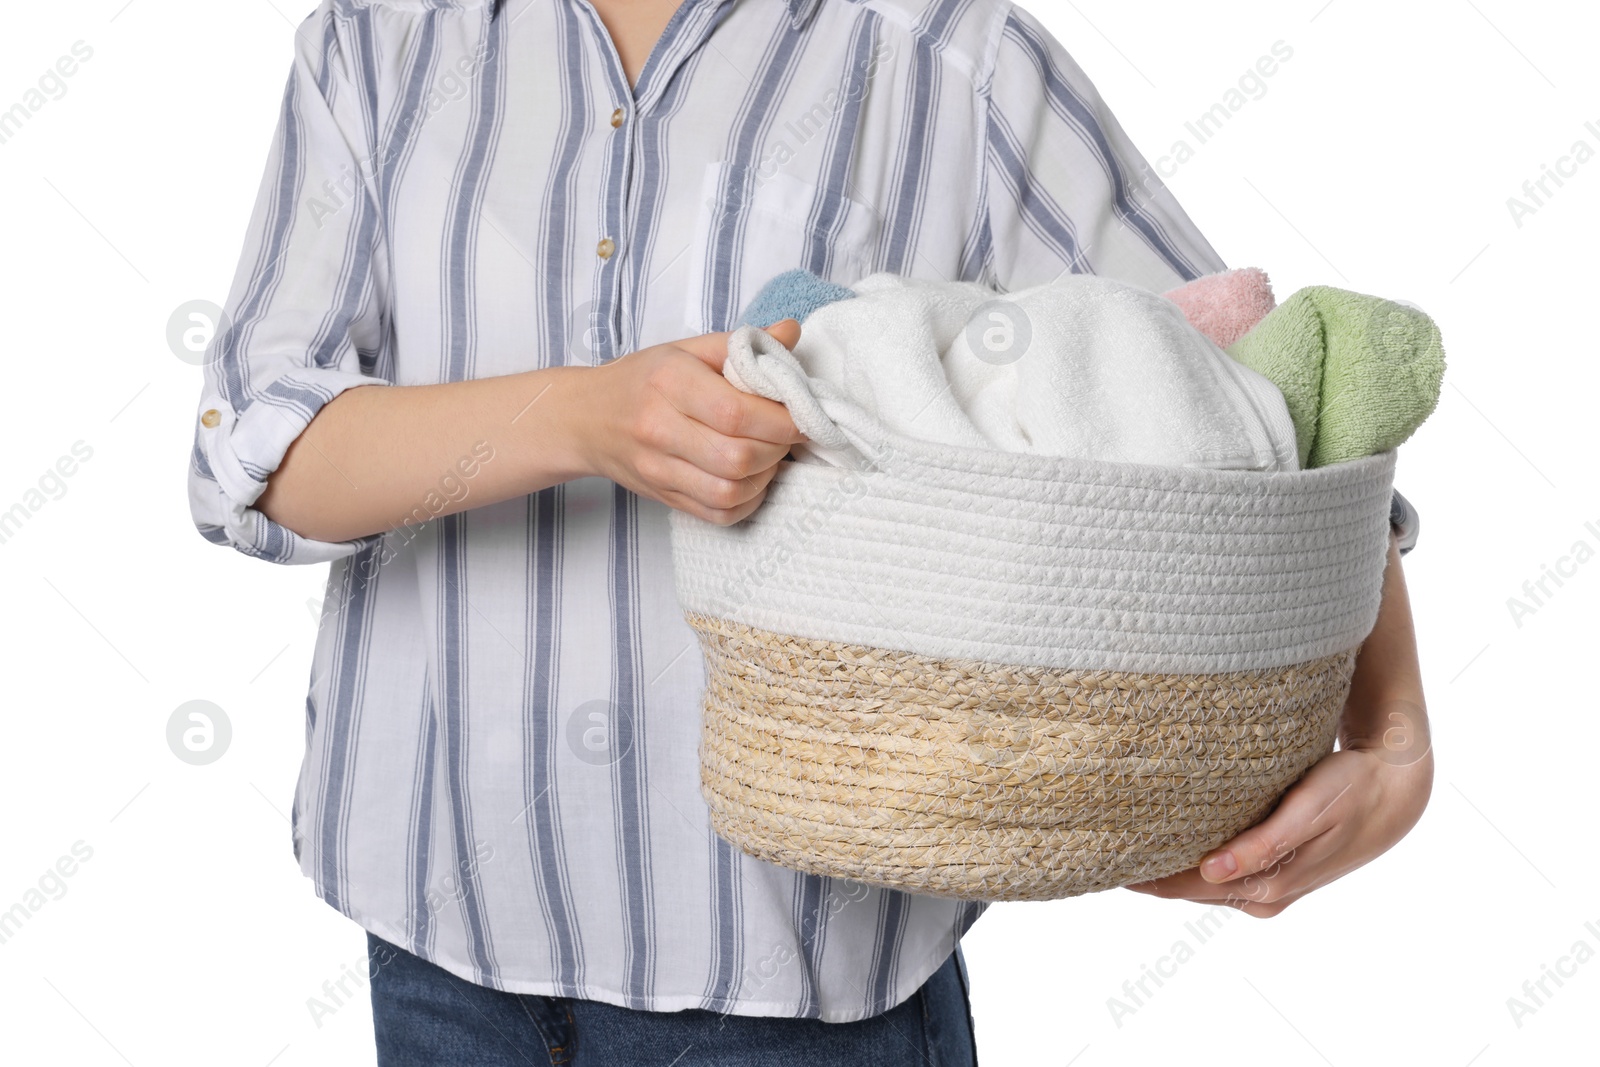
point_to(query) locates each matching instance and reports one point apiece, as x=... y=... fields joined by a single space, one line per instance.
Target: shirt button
x=607 y=247
x=616 y=117
x=211 y=418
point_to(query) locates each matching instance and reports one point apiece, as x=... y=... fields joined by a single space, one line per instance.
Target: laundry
x=1089 y=367
x=1083 y=366
x=1081 y=537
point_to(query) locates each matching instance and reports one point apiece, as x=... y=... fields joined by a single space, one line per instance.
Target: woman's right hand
x=667 y=425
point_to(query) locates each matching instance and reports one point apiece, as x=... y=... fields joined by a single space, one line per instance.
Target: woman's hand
x=1353 y=805
x=665 y=423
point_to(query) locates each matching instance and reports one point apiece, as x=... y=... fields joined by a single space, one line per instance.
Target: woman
x=531 y=222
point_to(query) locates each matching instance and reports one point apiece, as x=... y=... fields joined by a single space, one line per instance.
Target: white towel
x=1082 y=366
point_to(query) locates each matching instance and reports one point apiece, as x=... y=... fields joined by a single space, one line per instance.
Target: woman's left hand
x=1349 y=808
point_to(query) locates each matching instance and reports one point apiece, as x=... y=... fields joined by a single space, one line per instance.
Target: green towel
x=1359 y=373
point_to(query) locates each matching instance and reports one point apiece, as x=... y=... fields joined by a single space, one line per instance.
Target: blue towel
x=794 y=294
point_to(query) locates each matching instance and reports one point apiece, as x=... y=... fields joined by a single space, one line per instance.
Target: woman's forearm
x=1386 y=709
x=376 y=457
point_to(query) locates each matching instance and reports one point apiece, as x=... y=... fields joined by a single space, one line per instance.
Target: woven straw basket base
x=961 y=779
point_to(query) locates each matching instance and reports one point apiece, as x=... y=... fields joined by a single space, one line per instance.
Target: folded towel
x=1359 y=373
x=1227 y=305
x=1081 y=366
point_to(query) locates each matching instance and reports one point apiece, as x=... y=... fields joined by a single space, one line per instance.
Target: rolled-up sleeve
x=1065 y=189
x=307 y=311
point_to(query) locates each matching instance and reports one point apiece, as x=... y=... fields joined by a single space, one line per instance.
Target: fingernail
x=1218 y=867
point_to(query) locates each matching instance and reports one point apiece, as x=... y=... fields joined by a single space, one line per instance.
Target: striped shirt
x=503 y=712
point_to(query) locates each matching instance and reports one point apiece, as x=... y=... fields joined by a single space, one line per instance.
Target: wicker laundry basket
x=998 y=676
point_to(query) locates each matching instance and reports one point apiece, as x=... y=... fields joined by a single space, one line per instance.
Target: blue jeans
x=424 y=1016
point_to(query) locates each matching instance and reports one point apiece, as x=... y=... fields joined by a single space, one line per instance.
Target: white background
x=1380 y=158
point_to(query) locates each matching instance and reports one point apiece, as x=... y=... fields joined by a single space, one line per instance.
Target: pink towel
x=1226 y=306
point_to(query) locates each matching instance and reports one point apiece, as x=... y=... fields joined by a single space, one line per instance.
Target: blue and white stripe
x=452 y=799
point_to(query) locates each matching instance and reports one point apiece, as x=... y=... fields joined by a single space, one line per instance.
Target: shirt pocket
x=780 y=223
